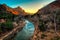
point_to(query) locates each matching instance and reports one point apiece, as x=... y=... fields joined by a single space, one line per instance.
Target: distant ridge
x=15 y=11
x=51 y=7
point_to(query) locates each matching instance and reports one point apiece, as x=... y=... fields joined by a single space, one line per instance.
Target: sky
x=30 y=6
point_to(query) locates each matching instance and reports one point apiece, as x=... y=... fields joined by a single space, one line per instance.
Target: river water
x=26 y=32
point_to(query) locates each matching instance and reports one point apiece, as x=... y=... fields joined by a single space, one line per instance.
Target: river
x=26 y=32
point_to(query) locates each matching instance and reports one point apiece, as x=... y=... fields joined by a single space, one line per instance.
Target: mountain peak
x=19 y=8
x=3 y=5
x=7 y=9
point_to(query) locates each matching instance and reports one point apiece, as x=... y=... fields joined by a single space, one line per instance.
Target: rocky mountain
x=7 y=9
x=48 y=27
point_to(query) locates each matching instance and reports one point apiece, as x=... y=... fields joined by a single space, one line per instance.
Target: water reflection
x=26 y=32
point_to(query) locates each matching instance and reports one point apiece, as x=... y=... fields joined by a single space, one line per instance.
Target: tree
x=56 y=15
x=0 y=28
x=7 y=26
x=42 y=26
x=9 y=16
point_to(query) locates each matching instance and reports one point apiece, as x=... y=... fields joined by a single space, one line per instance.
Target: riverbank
x=13 y=32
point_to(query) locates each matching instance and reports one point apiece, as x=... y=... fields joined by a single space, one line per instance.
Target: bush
x=0 y=28
x=43 y=36
x=42 y=26
x=8 y=16
x=7 y=25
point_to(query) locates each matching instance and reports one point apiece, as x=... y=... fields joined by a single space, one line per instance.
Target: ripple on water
x=26 y=32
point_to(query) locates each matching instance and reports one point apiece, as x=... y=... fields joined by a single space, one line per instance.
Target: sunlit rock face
x=26 y=32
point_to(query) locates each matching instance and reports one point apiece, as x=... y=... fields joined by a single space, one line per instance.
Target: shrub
x=7 y=25
x=43 y=36
x=42 y=26
x=0 y=28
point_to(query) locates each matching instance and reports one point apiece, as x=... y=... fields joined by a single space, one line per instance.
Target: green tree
x=42 y=26
x=7 y=16
x=7 y=26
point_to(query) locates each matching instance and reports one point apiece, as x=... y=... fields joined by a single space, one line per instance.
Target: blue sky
x=30 y=6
